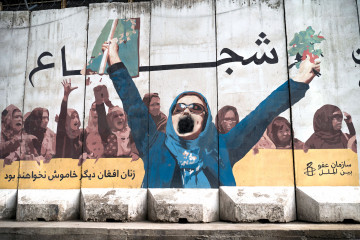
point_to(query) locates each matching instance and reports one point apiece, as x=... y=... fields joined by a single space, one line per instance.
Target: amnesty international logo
x=309 y=170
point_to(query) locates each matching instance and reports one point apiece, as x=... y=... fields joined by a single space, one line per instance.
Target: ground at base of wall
x=149 y=230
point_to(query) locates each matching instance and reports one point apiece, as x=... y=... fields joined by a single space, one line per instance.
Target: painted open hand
x=306 y=73
x=67 y=87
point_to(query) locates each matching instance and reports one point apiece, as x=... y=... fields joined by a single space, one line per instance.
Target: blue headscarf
x=196 y=158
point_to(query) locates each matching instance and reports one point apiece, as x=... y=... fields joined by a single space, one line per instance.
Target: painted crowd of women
x=108 y=135
x=327 y=124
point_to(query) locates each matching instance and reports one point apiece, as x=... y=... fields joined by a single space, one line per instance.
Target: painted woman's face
x=118 y=119
x=94 y=145
x=74 y=121
x=154 y=106
x=45 y=119
x=94 y=113
x=337 y=120
x=229 y=121
x=188 y=117
x=284 y=134
x=16 y=124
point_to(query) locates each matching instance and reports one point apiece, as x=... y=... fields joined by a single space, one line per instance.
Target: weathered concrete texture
x=7 y=203
x=14 y=29
x=249 y=204
x=113 y=204
x=147 y=230
x=52 y=30
x=328 y=204
x=183 y=32
x=48 y=205
x=358 y=10
x=183 y=205
x=249 y=84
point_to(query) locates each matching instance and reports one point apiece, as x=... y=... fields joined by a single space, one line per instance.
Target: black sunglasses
x=196 y=108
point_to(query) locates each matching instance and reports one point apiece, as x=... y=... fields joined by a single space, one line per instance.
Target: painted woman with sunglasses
x=190 y=152
x=327 y=125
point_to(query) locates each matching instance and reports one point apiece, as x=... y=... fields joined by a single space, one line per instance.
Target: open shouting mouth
x=185 y=125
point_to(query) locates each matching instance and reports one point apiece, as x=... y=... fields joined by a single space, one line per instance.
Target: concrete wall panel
x=247 y=29
x=52 y=32
x=116 y=165
x=14 y=28
x=56 y=46
x=182 y=37
x=336 y=33
x=134 y=27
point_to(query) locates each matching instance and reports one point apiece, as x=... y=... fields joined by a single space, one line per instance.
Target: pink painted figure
x=152 y=101
x=94 y=145
x=226 y=119
x=36 y=124
x=279 y=131
x=15 y=144
x=113 y=127
x=68 y=135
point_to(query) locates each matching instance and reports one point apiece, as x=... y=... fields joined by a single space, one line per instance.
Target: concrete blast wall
x=131 y=106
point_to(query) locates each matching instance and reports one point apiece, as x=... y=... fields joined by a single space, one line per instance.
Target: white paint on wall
x=239 y=24
x=14 y=28
x=183 y=32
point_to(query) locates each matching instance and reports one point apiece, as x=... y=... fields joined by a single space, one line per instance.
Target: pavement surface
x=149 y=230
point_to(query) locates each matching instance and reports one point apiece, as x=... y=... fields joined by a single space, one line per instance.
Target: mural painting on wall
x=327 y=126
x=183 y=145
x=106 y=135
x=126 y=32
x=187 y=152
x=109 y=140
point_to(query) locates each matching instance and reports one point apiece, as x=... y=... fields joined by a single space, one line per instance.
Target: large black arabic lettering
x=236 y=58
x=233 y=58
x=357 y=61
x=41 y=66
x=64 y=70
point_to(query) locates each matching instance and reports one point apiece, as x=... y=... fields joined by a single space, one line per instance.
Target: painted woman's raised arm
x=249 y=130
x=138 y=117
